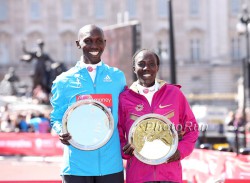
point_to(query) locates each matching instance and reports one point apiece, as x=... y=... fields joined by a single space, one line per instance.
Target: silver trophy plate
x=154 y=138
x=90 y=124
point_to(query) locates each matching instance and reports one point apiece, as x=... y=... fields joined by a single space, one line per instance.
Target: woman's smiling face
x=146 y=67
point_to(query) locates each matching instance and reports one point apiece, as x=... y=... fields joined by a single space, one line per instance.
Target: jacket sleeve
x=59 y=106
x=122 y=128
x=123 y=82
x=189 y=127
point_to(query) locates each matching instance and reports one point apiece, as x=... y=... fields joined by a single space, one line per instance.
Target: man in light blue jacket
x=89 y=76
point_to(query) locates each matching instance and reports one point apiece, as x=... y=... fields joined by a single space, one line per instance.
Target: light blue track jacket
x=77 y=81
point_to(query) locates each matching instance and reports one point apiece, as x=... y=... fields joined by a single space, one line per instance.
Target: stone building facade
x=209 y=51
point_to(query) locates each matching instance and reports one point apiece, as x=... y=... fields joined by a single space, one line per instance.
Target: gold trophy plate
x=154 y=138
x=90 y=124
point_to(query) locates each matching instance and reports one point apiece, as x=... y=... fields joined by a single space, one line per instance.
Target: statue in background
x=9 y=84
x=45 y=70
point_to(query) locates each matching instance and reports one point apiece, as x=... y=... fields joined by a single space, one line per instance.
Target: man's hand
x=128 y=149
x=176 y=156
x=64 y=138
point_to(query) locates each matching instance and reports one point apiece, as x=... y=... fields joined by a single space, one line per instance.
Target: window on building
x=4 y=54
x=195 y=50
x=68 y=49
x=235 y=7
x=3 y=10
x=162 y=8
x=196 y=78
x=99 y=9
x=35 y=9
x=163 y=50
x=196 y=91
x=67 y=9
x=194 y=7
x=131 y=8
x=235 y=49
x=69 y=52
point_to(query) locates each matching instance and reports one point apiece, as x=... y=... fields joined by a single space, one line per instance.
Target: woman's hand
x=176 y=156
x=64 y=138
x=180 y=135
x=128 y=149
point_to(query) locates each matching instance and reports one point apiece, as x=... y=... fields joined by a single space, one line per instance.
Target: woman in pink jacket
x=150 y=95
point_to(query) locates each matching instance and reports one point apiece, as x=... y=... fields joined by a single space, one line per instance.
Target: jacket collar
x=134 y=88
x=80 y=65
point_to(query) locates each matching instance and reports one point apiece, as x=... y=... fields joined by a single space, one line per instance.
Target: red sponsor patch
x=106 y=99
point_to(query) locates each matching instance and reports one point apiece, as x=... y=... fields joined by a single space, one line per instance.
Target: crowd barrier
x=206 y=166
x=59 y=181
x=30 y=144
x=44 y=181
x=202 y=166
x=32 y=181
x=236 y=181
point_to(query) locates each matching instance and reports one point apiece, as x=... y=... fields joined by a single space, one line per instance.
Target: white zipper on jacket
x=99 y=153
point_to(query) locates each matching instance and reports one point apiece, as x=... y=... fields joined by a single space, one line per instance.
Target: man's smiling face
x=92 y=43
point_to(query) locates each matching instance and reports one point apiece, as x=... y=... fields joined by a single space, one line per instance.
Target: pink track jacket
x=168 y=101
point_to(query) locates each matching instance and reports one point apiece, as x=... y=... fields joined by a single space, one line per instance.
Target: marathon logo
x=105 y=99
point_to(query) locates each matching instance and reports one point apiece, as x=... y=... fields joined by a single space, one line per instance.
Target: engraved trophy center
x=154 y=138
x=90 y=124
x=152 y=135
